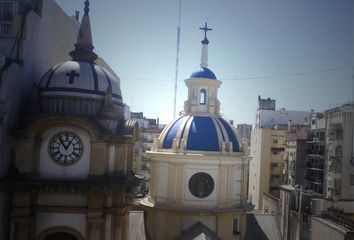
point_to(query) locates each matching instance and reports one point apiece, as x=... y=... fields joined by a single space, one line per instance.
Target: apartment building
x=315 y=158
x=266 y=166
x=268 y=144
x=295 y=154
x=149 y=130
x=340 y=152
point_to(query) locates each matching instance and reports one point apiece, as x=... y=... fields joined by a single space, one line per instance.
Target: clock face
x=65 y=148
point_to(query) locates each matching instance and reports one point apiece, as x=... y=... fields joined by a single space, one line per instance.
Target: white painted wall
x=237 y=183
x=50 y=169
x=45 y=221
x=163 y=181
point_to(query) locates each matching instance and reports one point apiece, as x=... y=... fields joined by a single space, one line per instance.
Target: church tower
x=71 y=176
x=199 y=173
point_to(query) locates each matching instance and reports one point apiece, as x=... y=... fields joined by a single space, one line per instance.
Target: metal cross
x=205 y=29
x=72 y=74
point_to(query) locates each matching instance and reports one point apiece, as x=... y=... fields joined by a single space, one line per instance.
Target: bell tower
x=203 y=85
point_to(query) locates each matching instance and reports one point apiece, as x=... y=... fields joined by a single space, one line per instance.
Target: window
x=7 y=10
x=202 y=97
x=201 y=185
x=352 y=179
x=236 y=227
x=275 y=141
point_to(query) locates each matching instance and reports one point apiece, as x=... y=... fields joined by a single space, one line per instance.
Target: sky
x=297 y=52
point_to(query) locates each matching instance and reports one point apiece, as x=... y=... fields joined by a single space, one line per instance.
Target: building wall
x=244 y=130
x=340 y=167
x=300 y=162
x=316 y=159
x=266 y=104
x=325 y=230
x=266 y=165
x=295 y=154
x=270 y=204
x=173 y=198
x=168 y=225
x=271 y=118
x=149 y=130
x=47 y=40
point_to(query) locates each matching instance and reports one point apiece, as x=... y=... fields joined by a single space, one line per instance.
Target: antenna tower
x=177 y=59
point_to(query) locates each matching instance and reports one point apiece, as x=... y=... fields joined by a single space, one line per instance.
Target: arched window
x=202 y=97
x=60 y=233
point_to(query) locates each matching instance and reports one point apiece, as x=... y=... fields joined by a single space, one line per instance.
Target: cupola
x=203 y=85
x=80 y=86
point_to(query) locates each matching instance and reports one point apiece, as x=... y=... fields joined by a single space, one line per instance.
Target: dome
x=203 y=73
x=200 y=133
x=79 y=79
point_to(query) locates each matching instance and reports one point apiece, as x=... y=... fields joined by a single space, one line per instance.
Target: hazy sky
x=299 y=52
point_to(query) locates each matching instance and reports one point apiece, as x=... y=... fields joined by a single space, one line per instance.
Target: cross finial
x=205 y=29
x=87 y=9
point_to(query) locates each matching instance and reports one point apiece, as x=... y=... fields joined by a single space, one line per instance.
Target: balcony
x=196 y=205
x=314 y=179
x=317 y=137
x=315 y=166
x=315 y=152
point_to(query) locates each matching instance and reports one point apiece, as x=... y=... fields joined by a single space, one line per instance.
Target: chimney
x=77 y=15
x=290 y=126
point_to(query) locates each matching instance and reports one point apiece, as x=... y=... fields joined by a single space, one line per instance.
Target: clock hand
x=62 y=142
x=66 y=147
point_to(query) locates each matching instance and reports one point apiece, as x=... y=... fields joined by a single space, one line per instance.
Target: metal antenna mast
x=177 y=59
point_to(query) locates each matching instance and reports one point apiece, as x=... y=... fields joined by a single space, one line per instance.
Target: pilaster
x=24 y=224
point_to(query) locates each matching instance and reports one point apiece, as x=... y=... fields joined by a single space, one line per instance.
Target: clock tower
x=72 y=166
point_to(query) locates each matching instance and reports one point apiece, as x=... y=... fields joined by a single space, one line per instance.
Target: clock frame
x=65 y=148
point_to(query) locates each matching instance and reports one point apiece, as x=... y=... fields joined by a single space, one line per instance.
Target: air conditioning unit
x=317 y=206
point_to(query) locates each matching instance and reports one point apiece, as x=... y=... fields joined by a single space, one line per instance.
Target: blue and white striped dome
x=79 y=79
x=200 y=133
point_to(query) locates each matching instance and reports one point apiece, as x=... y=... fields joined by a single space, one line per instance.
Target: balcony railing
x=5 y=29
x=315 y=152
x=314 y=165
x=191 y=204
x=314 y=179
